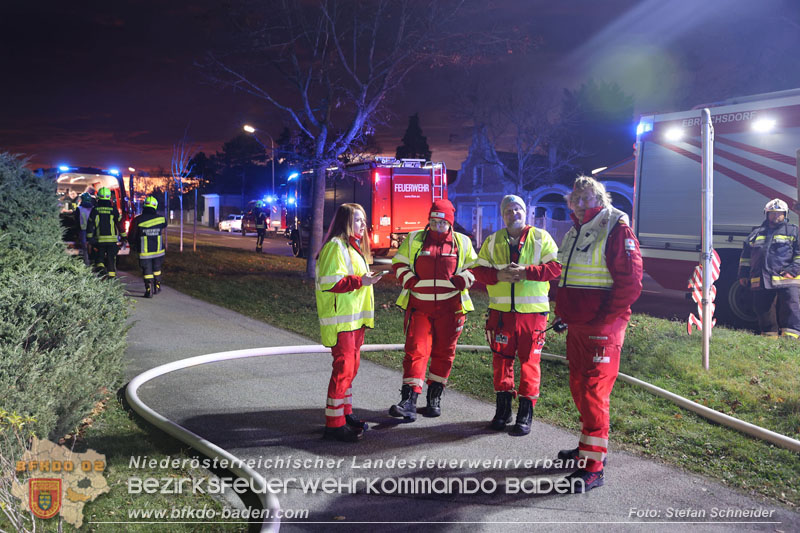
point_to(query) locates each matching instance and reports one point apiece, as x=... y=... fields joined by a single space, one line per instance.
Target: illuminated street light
x=251 y=130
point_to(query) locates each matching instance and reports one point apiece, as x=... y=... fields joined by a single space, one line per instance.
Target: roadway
x=276 y=245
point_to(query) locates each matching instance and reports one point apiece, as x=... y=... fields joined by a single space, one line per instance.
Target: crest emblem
x=45 y=496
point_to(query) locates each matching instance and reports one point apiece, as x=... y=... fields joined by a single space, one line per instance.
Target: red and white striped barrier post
x=696 y=286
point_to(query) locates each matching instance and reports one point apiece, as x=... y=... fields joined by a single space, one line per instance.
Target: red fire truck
x=395 y=193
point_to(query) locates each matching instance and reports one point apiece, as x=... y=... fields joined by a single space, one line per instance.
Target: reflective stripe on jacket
x=103 y=224
x=148 y=236
x=528 y=296
x=407 y=255
x=768 y=254
x=346 y=311
x=583 y=252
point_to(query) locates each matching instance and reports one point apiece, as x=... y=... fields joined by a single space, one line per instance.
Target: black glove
x=559 y=326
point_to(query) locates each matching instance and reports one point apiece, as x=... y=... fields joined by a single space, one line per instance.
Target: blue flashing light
x=268 y=199
x=292 y=176
x=63 y=168
x=291 y=201
x=645 y=125
x=114 y=171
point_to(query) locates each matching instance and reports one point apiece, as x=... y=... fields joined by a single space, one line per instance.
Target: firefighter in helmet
x=601 y=276
x=346 y=307
x=147 y=239
x=105 y=232
x=432 y=266
x=261 y=225
x=516 y=264
x=770 y=266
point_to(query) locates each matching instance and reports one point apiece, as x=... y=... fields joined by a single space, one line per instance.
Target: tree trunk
x=317 y=212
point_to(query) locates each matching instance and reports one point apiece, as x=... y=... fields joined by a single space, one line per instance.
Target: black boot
x=407 y=408
x=356 y=423
x=147 y=291
x=434 y=397
x=502 y=414
x=156 y=286
x=343 y=433
x=524 y=417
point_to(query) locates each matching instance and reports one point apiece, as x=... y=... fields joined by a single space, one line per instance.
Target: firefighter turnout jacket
x=536 y=249
x=104 y=224
x=261 y=221
x=771 y=257
x=147 y=234
x=346 y=311
x=448 y=277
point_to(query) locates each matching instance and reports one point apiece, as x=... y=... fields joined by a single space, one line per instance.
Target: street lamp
x=251 y=130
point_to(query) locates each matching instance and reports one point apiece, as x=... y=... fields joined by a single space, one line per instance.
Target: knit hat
x=443 y=209
x=512 y=199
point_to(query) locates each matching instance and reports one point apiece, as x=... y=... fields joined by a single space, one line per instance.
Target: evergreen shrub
x=62 y=329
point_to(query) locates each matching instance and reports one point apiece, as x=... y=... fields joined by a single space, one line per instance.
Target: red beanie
x=443 y=209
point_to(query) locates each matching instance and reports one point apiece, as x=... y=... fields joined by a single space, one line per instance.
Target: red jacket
x=597 y=306
x=437 y=259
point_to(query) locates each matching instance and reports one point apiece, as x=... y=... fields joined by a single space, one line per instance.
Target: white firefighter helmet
x=776 y=205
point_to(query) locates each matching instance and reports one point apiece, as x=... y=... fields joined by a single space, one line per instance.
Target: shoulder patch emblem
x=630 y=244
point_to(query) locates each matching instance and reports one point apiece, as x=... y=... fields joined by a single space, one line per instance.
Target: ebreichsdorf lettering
x=412 y=187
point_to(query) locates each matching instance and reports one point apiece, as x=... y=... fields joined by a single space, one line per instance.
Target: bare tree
x=331 y=65
x=530 y=123
x=182 y=167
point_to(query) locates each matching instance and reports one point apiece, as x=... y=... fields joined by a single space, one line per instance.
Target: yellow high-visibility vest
x=529 y=296
x=407 y=254
x=346 y=311
x=583 y=257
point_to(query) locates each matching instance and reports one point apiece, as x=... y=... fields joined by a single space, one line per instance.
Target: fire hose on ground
x=257 y=481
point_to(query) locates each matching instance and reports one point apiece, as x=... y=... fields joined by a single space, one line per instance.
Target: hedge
x=62 y=329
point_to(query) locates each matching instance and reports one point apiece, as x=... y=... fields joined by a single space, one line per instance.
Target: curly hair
x=586 y=182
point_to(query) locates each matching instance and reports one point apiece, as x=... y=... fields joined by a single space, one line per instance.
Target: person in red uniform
x=345 y=305
x=516 y=263
x=601 y=276
x=432 y=265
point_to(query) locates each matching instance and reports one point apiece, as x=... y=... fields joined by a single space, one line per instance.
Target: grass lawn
x=752 y=378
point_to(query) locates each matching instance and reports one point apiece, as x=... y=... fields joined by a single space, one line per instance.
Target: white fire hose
x=257 y=481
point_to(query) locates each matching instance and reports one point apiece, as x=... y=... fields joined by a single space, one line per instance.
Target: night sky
x=113 y=84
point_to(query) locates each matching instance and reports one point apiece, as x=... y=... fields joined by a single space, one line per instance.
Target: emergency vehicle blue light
x=114 y=171
x=268 y=199
x=292 y=176
x=63 y=168
x=644 y=127
x=291 y=201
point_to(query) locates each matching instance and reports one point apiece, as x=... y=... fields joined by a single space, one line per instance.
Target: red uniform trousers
x=516 y=335
x=346 y=358
x=430 y=335
x=593 y=355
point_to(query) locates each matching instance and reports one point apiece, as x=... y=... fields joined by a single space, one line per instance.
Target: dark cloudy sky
x=101 y=83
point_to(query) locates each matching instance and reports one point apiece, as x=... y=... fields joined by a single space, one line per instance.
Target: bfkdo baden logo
x=60 y=481
x=45 y=496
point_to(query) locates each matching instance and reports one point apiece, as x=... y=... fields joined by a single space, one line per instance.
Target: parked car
x=231 y=224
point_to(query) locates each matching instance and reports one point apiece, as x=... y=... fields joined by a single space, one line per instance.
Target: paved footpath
x=270 y=410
